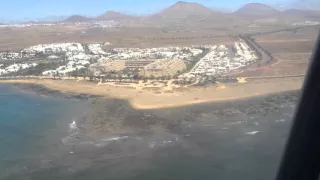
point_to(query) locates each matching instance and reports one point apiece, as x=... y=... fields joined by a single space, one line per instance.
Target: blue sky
x=31 y=9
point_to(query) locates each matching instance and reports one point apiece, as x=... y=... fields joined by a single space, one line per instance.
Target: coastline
x=45 y=91
x=149 y=99
x=110 y=130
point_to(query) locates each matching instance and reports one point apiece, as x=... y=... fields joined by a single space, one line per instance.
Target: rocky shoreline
x=110 y=131
x=106 y=117
x=110 y=116
x=44 y=91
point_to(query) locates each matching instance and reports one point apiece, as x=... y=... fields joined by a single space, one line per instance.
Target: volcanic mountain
x=77 y=18
x=181 y=13
x=184 y=9
x=256 y=10
x=113 y=15
x=301 y=14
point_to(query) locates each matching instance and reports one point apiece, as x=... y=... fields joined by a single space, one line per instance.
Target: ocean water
x=236 y=140
x=30 y=125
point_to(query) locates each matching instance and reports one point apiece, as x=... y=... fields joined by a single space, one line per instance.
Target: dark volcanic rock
x=42 y=90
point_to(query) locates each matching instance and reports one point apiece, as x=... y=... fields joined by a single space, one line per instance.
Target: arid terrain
x=291 y=52
x=290 y=49
x=182 y=23
x=187 y=24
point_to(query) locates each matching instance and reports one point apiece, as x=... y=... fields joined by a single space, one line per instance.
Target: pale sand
x=147 y=99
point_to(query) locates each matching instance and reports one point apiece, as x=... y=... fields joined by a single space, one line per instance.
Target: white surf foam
x=73 y=125
x=73 y=130
x=115 y=138
x=252 y=132
x=281 y=120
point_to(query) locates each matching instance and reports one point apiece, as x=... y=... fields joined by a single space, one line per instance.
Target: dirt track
x=284 y=41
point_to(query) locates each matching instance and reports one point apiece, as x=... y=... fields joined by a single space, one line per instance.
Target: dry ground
x=18 y=38
x=284 y=64
x=288 y=46
x=309 y=32
x=291 y=51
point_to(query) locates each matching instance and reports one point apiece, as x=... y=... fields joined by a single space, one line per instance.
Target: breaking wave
x=73 y=129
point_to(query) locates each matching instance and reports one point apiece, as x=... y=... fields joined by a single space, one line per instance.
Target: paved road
x=270 y=77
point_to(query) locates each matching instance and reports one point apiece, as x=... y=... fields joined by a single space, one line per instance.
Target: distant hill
x=311 y=5
x=257 y=10
x=52 y=18
x=298 y=13
x=181 y=13
x=35 y=22
x=77 y=18
x=191 y=13
x=184 y=9
x=113 y=15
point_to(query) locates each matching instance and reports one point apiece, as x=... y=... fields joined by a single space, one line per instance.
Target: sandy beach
x=153 y=99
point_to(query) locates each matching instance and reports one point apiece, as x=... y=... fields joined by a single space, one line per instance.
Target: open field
x=283 y=68
x=16 y=39
x=309 y=33
x=289 y=46
x=284 y=64
x=143 y=37
x=304 y=57
x=291 y=52
x=152 y=42
x=299 y=41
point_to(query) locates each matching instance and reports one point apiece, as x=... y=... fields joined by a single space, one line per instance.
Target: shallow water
x=234 y=140
x=29 y=125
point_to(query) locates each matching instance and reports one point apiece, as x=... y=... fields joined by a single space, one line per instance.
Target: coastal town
x=97 y=60
x=88 y=24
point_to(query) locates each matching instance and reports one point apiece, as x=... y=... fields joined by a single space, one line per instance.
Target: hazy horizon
x=56 y=10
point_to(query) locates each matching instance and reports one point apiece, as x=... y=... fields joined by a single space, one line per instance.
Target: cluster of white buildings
x=9 y=55
x=98 y=24
x=15 y=68
x=243 y=53
x=24 y=25
x=74 y=62
x=183 y=53
x=55 y=48
x=220 y=60
x=64 y=70
x=76 y=56
x=306 y=23
x=89 y=24
x=96 y=48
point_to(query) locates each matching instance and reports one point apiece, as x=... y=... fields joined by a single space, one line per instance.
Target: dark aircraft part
x=301 y=159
